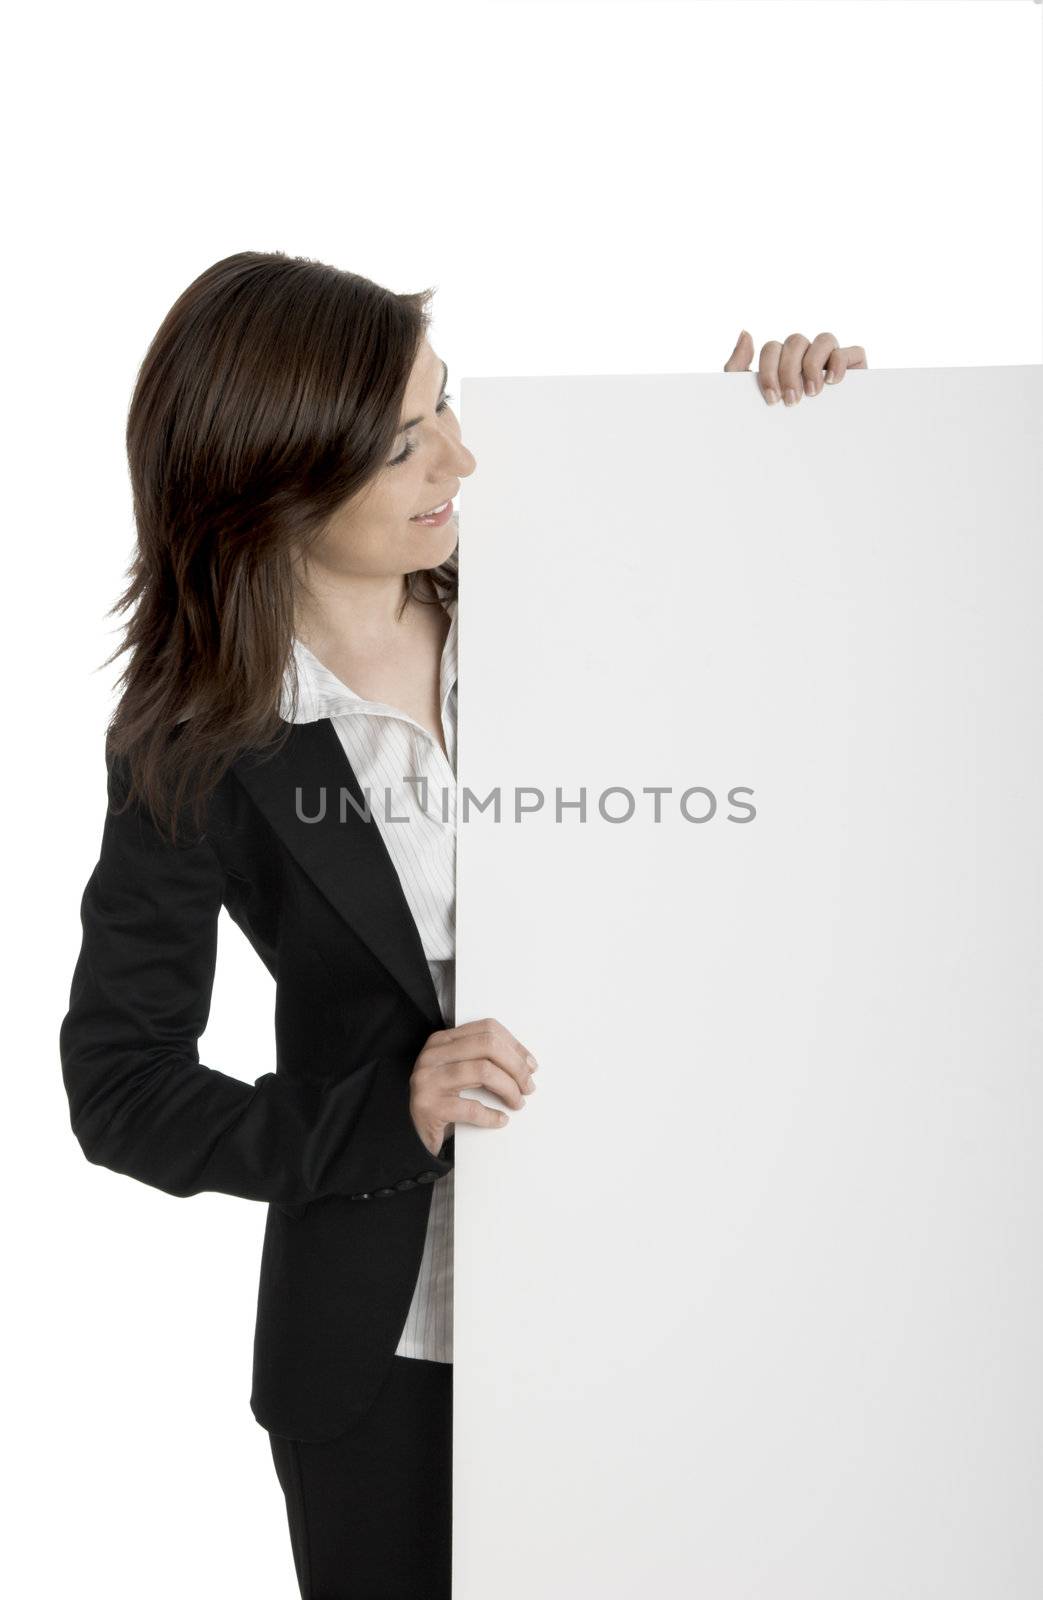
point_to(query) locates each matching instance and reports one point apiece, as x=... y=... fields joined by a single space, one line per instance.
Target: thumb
x=739 y=360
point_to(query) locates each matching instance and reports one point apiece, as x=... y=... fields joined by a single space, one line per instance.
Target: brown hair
x=271 y=393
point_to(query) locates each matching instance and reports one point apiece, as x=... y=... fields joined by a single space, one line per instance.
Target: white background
x=596 y=189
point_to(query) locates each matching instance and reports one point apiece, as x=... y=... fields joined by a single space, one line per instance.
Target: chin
x=434 y=555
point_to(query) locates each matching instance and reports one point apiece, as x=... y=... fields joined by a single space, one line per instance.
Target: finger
x=790 y=379
x=480 y=1115
x=502 y=1056
x=485 y=1024
x=768 y=371
x=482 y=1073
x=852 y=355
x=478 y=1041
x=742 y=355
x=815 y=359
x=494 y=1026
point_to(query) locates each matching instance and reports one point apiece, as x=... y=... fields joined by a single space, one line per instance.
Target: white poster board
x=748 y=1298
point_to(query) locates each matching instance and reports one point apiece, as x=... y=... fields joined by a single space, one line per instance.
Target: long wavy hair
x=271 y=394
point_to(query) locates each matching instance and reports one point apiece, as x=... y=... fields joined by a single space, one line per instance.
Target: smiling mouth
x=435 y=512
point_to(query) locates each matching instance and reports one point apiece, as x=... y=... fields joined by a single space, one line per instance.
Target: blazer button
x=405 y=1183
x=427 y=1177
x=363 y=1196
x=378 y=1194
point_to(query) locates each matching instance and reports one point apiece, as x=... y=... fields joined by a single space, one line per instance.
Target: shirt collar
x=322 y=694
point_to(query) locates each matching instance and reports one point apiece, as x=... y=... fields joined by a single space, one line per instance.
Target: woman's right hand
x=476 y=1055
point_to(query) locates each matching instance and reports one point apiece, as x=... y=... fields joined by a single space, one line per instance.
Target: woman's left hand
x=800 y=366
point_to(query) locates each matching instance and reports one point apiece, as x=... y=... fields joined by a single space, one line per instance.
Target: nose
x=460 y=462
x=463 y=464
x=468 y=463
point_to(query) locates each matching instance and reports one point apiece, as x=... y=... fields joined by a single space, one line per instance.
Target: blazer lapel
x=348 y=861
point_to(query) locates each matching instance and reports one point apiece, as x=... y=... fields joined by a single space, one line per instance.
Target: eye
x=410 y=446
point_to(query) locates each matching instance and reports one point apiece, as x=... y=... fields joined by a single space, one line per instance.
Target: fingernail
x=831 y=377
x=531 y=1063
x=771 y=395
x=812 y=388
x=791 y=396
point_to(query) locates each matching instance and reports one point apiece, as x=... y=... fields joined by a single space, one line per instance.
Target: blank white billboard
x=748 y=1298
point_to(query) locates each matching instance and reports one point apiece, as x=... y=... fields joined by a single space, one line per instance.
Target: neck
x=332 y=607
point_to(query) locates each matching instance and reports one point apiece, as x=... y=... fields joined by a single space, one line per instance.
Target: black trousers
x=370 y=1512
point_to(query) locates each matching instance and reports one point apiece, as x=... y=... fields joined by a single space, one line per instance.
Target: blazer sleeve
x=140 y=1101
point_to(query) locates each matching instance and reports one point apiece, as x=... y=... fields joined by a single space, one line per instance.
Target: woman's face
x=373 y=535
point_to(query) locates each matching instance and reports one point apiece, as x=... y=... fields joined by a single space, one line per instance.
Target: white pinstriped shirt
x=384 y=745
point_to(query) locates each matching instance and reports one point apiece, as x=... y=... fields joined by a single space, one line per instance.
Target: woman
x=288 y=432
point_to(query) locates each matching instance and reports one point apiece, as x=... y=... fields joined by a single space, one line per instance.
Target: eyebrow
x=445 y=379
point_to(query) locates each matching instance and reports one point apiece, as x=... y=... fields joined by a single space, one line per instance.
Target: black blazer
x=327 y=1138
